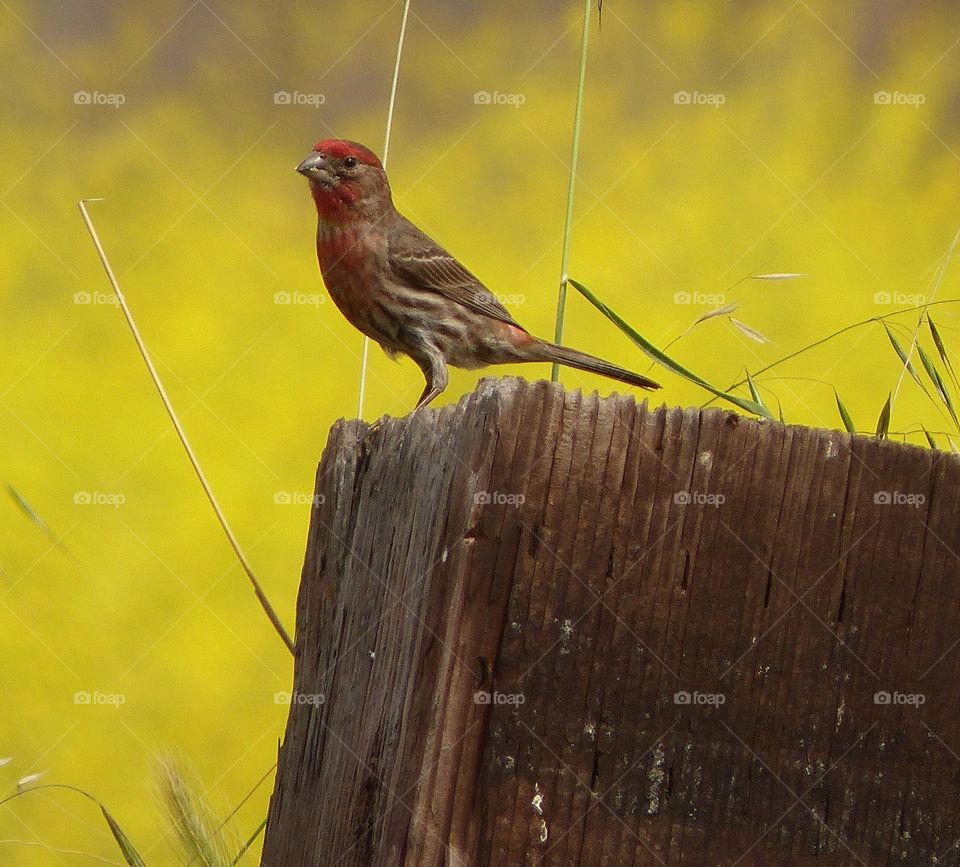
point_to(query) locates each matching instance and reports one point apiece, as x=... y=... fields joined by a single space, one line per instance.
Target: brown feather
x=415 y=257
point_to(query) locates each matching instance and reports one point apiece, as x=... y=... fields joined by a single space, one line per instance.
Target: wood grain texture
x=542 y=628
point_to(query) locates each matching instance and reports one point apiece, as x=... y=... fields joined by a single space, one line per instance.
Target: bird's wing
x=416 y=258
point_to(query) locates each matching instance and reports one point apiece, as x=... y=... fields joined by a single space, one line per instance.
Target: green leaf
x=883 y=423
x=930 y=440
x=663 y=359
x=848 y=424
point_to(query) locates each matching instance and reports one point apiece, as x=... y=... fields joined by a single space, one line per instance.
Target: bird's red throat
x=335 y=204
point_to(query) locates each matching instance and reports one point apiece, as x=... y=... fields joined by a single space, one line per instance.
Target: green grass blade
x=853 y=326
x=883 y=423
x=948 y=401
x=938 y=383
x=130 y=854
x=848 y=424
x=942 y=350
x=665 y=360
x=250 y=841
x=41 y=525
x=902 y=355
x=928 y=365
x=930 y=440
x=572 y=184
x=755 y=392
x=26 y=508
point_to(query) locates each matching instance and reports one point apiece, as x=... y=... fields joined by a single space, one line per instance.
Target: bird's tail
x=543 y=351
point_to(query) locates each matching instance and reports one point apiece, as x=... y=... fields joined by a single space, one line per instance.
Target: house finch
x=403 y=290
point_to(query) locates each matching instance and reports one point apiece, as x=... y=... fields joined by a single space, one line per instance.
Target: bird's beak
x=316 y=168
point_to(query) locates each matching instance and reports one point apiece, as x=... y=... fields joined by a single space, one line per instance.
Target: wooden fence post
x=542 y=628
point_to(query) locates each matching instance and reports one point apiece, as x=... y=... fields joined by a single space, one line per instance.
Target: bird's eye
x=350 y=162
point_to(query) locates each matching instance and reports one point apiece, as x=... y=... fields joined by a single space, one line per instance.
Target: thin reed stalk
x=365 y=353
x=155 y=376
x=572 y=185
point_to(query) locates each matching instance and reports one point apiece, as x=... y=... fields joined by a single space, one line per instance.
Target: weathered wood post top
x=542 y=628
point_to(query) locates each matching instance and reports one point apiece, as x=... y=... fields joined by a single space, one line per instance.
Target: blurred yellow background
x=719 y=141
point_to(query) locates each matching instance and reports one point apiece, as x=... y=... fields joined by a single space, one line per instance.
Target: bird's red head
x=338 y=148
x=347 y=180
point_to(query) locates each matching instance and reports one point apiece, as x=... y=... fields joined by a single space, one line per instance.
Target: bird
x=403 y=290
